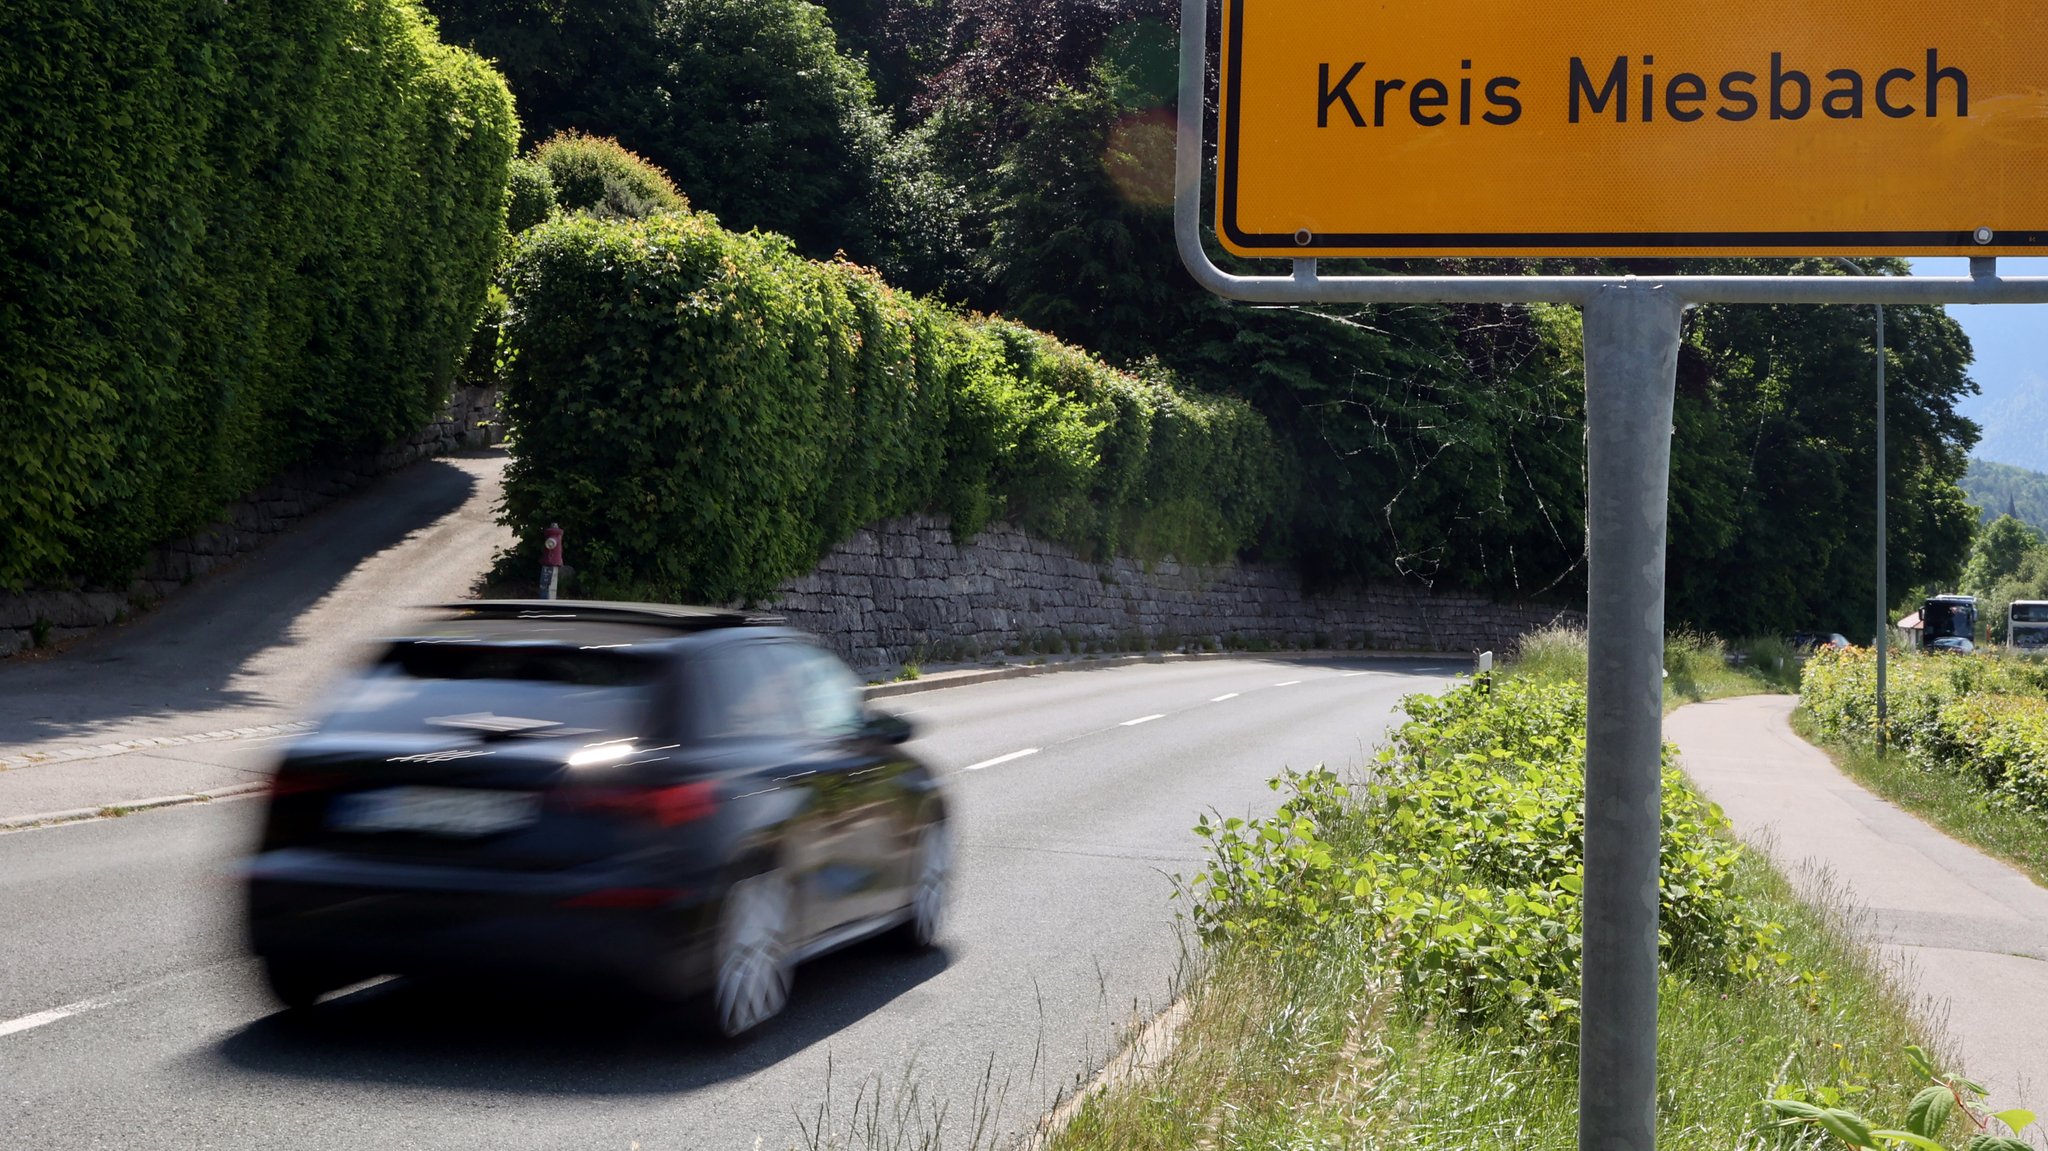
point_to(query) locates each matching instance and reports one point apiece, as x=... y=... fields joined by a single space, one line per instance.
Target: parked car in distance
x=1954 y=644
x=688 y=800
x=1806 y=641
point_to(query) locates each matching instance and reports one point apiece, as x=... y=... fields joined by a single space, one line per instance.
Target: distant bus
x=2026 y=625
x=1946 y=617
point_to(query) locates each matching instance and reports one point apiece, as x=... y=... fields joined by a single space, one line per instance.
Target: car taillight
x=286 y=783
x=668 y=806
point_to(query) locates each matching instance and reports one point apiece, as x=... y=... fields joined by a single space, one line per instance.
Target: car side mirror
x=888 y=727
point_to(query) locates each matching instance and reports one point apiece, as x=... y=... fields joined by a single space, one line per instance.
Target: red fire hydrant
x=550 y=560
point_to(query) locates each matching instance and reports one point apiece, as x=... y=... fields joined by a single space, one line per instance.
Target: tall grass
x=1312 y=1049
x=1697 y=666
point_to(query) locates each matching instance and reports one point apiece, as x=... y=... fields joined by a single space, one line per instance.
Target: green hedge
x=1981 y=717
x=707 y=413
x=233 y=235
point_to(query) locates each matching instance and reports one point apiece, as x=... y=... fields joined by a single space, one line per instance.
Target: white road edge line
x=1000 y=759
x=1287 y=683
x=1226 y=695
x=28 y=1022
x=1141 y=719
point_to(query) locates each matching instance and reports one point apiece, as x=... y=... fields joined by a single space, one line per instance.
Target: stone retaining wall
x=53 y=615
x=904 y=591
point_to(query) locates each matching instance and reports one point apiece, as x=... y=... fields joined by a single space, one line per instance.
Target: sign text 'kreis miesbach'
x=1485 y=127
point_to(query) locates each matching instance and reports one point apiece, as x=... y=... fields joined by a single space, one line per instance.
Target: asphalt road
x=129 y=1017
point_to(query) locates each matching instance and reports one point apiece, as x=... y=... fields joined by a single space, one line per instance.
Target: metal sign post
x=1632 y=324
x=1631 y=339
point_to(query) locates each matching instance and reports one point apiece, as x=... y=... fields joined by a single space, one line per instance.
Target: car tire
x=751 y=973
x=298 y=984
x=930 y=885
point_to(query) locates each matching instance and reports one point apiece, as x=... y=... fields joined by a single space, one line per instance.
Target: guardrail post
x=1631 y=341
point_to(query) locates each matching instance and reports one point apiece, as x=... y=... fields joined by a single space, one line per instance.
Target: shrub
x=233 y=236
x=707 y=413
x=597 y=174
x=1464 y=860
x=529 y=195
x=1980 y=717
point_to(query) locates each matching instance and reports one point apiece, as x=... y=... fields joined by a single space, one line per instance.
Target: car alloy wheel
x=928 y=899
x=753 y=975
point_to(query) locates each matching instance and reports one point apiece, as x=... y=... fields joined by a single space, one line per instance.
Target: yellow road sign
x=1755 y=127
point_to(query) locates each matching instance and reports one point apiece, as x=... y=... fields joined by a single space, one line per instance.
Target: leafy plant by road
x=1944 y=1100
x=1462 y=860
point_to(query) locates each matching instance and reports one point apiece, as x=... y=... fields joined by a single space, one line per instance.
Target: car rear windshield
x=537 y=690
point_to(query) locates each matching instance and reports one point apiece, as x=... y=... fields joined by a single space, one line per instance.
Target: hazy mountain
x=2014 y=414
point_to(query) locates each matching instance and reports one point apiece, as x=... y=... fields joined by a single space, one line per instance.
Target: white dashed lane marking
x=29 y=1022
x=1224 y=696
x=1141 y=719
x=1000 y=759
x=1287 y=683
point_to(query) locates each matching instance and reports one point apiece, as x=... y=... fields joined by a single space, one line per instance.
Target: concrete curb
x=1145 y=1053
x=965 y=677
x=116 y=810
x=968 y=676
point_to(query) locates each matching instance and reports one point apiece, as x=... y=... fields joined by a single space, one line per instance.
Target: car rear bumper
x=373 y=917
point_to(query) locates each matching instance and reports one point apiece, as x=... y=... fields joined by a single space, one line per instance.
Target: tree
x=1999 y=551
x=748 y=105
x=1786 y=455
x=571 y=64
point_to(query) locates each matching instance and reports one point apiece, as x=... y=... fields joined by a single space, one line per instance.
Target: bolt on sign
x=1753 y=127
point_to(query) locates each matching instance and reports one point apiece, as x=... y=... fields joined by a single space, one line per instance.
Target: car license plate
x=433 y=810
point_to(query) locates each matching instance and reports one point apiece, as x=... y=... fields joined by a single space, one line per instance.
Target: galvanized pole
x=1884 y=607
x=1631 y=340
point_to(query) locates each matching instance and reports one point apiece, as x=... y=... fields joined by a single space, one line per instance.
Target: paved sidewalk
x=1968 y=932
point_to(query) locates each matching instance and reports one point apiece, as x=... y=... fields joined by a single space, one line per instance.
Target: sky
x=2011 y=342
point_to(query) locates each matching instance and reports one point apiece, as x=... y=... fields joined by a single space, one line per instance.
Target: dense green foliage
x=529 y=195
x=707 y=413
x=1983 y=718
x=595 y=174
x=1028 y=173
x=232 y=236
x=1774 y=467
x=1463 y=857
x=2001 y=489
x=749 y=104
x=575 y=64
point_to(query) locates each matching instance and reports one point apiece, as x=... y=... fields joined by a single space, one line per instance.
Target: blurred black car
x=688 y=800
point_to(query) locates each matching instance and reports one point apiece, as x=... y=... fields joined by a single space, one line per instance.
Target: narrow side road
x=1966 y=931
x=206 y=685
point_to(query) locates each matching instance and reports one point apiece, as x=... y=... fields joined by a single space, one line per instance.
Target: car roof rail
x=681 y=617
